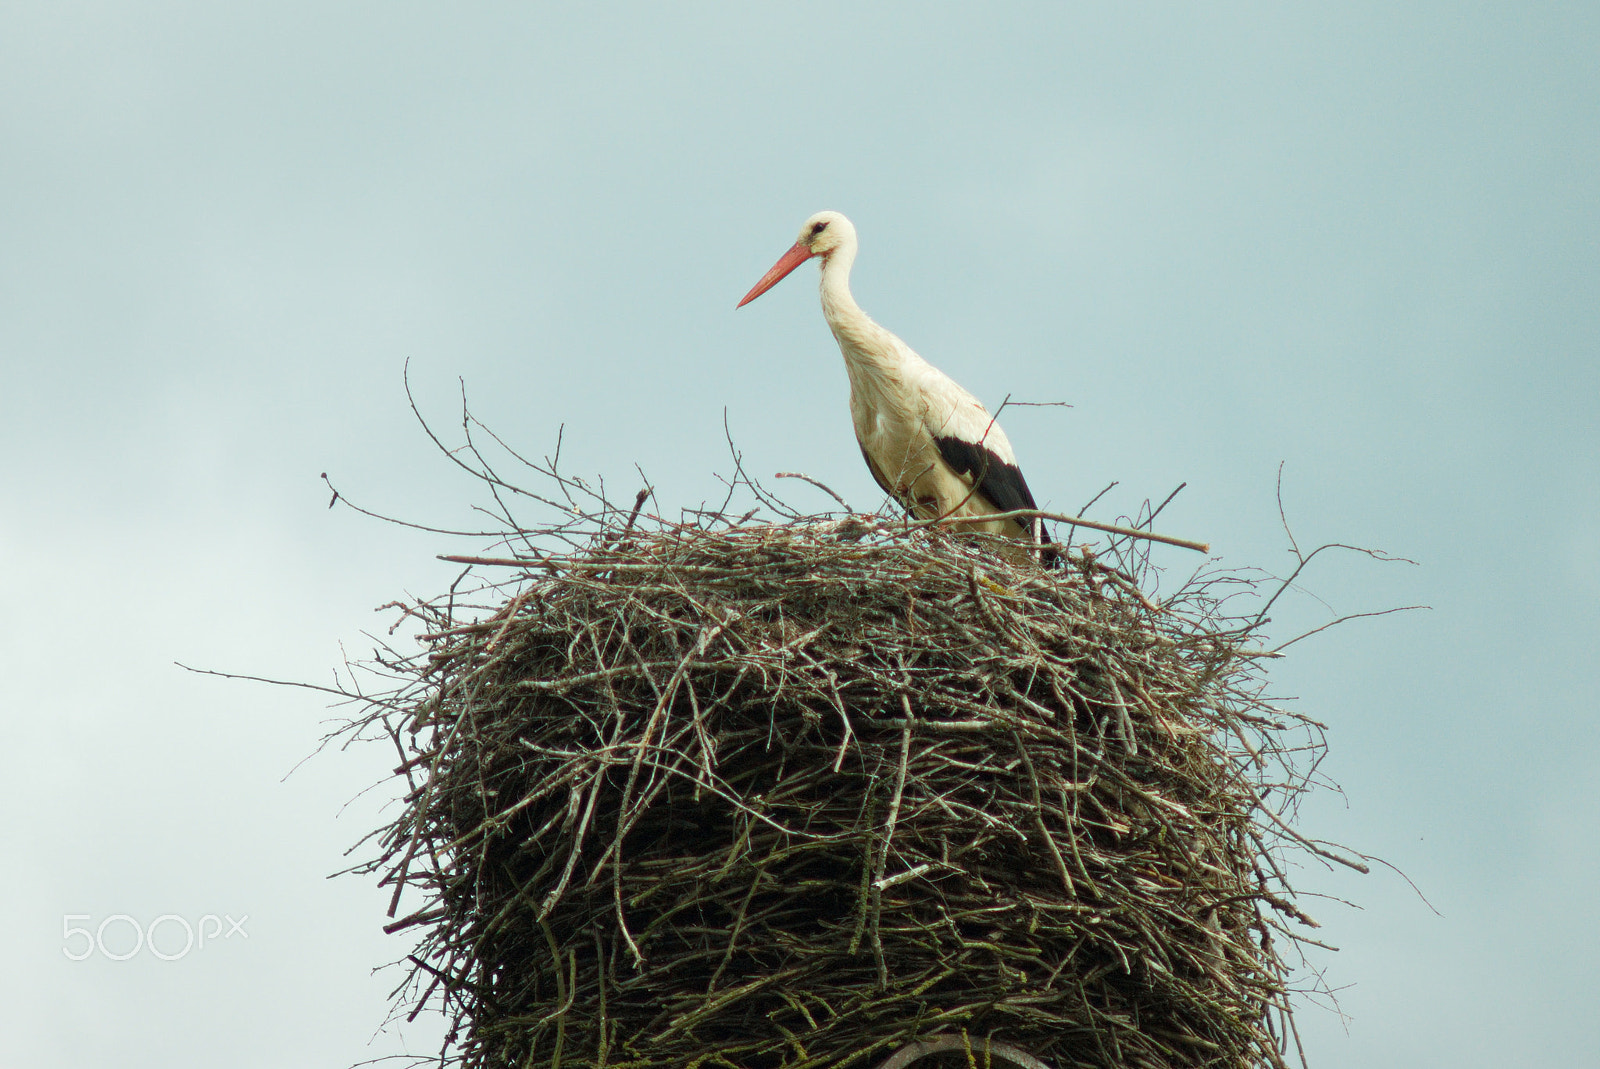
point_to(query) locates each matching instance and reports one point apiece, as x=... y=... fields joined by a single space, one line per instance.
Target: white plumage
x=928 y=442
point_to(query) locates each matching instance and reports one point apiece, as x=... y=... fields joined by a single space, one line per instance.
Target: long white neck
x=837 y=301
x=862 y=341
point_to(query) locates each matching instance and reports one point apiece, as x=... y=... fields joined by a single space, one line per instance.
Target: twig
x=502 y=562
x=1075 y=521
x=820 y=485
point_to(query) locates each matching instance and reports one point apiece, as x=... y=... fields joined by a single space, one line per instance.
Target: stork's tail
x=1051 y=555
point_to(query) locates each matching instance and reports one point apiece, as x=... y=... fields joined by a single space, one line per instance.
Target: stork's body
x=928 y=442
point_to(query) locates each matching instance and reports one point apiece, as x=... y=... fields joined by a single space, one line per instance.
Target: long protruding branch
x=1079 y=521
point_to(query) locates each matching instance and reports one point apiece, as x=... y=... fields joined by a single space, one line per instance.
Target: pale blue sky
x=1359 y=240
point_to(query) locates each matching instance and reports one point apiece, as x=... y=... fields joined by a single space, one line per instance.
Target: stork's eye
x=817 y=228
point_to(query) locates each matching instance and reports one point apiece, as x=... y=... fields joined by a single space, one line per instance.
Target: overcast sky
x=1359 y=240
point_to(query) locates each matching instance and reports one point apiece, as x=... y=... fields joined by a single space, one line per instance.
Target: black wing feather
x=1001 y=484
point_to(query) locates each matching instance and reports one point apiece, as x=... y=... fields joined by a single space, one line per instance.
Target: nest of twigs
x=796 y=795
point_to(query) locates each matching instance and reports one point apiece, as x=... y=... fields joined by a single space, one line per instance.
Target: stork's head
x=821 y=235
x=826 y=231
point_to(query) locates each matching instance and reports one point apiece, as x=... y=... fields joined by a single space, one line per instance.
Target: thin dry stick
x=1077 y=521
x=819 y=484
x=876 y=904
x=502 y=562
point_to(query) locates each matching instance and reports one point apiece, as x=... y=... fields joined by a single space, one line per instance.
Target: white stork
x=929 y=443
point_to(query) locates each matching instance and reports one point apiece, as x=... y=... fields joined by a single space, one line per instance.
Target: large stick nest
x=765 y=795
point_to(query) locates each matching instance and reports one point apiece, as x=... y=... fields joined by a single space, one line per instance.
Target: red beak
x=791 y=260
